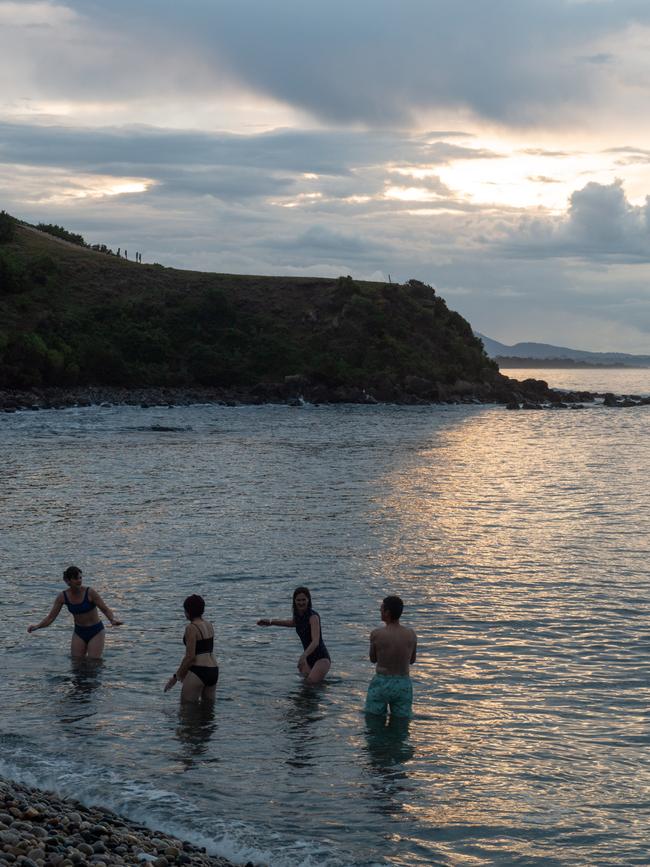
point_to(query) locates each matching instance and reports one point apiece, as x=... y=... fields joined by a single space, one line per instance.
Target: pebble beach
x=38 y=829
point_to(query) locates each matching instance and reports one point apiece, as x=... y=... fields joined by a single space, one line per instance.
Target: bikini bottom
x=209 y=674
x=88 y=632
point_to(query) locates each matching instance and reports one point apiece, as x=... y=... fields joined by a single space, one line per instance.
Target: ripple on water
x=519 y=542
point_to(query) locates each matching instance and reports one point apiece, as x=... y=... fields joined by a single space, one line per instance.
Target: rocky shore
x=296 y=390
x=38 y=829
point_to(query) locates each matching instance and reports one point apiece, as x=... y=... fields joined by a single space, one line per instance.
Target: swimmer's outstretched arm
x=103 y=607
x=51 y=617
x=266 y=622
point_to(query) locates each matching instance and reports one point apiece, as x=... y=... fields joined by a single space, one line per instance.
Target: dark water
x=519 y=542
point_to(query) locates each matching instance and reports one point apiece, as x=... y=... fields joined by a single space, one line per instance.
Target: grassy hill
x=71 y=316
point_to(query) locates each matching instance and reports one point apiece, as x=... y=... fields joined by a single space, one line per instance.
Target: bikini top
x=203 y=645
x=79 y=607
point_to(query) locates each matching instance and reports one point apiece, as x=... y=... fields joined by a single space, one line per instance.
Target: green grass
x=71 y=316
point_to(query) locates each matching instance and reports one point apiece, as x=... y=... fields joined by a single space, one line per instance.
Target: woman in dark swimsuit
x=314 y=662
x=82 y=603
x=198 y=671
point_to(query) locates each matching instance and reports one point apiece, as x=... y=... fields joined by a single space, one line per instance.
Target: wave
x=156 y=808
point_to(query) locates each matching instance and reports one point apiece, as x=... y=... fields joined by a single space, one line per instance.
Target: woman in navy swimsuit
x=198 y=671
x=314 y=662
x=82 y=603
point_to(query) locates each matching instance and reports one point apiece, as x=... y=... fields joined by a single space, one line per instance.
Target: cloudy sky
x=497 y=150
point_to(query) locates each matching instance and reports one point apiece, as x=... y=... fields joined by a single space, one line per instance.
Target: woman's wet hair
x=297 y=592
x=194 y=605
x=394 y=606
x=71 y=573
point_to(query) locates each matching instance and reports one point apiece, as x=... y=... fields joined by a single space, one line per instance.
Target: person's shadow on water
x=196 y=726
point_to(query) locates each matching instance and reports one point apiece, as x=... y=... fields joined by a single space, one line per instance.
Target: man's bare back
x=393 y=648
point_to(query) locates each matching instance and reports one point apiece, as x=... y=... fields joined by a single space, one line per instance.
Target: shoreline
x=39 y=828
x=513 y=394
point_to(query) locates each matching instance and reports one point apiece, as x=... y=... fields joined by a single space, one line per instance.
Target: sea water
x=519 y=542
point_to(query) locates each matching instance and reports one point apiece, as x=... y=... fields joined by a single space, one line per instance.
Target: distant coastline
x=516 y=362
x=548 y=355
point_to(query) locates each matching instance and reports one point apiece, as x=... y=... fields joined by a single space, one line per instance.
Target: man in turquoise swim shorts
x=392 y=648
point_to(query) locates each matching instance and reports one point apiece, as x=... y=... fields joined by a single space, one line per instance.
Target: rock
x=421 y=387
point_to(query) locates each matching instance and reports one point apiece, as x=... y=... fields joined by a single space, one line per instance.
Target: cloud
x=374 y=61
x=601 y=225
x=320 y=151
x=364 y=138
x=377 y=62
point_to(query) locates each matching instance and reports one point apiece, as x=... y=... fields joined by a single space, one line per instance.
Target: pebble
x=39 y=829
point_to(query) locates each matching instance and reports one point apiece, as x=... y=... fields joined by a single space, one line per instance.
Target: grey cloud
x=544 y=152
x=327 y=243
x=543 y=179
x=319 y=151
x=442 y=152
x=601 y=226
x=598 y=59
x=380 y=61
x=233 y=167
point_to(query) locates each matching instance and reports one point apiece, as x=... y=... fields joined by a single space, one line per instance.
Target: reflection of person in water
x=302 y=716
x=314 y=662
x=198 y=671
x=196 y=725
x=82 y=603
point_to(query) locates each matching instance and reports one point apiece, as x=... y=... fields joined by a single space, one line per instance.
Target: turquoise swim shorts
x=390 y=690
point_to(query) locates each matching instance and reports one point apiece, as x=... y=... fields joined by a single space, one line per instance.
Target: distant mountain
x=546 y=352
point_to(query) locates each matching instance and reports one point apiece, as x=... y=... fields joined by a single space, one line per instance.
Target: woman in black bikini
x=315 y=662
x=198 y=671
x=82 y=603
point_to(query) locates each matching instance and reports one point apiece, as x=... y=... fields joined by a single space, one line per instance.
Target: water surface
x=519 y=542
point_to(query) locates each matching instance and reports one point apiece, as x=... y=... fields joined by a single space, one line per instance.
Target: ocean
x=518 y=541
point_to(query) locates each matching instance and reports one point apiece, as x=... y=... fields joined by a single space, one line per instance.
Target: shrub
x=12 y=275
x=7 y=228
x=41 y=269
x=60 y=232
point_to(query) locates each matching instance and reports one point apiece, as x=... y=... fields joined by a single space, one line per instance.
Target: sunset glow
x=520 y=163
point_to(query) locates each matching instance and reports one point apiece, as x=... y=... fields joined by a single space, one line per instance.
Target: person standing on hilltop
x=82 y=603
x=392 y=648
